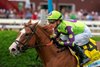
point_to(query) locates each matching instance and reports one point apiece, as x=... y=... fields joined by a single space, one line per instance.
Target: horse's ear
x=25 y=25
x=36 y=23
x=30 y=22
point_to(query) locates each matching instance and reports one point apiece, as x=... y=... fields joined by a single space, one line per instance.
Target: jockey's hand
x=50 y=43
x=57 y=38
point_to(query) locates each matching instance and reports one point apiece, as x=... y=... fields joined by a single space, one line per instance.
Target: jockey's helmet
x=54 y=16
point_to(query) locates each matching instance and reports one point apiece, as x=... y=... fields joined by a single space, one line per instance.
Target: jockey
x=69 y=33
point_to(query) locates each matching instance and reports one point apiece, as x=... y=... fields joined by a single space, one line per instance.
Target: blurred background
x=71 y=9
x=14 y=13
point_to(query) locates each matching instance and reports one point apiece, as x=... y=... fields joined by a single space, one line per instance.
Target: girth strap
x=89 y=46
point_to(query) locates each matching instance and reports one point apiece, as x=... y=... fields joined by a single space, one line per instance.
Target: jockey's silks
x=77 y=27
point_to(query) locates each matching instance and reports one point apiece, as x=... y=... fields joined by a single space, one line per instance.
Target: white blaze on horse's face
x=13 y=48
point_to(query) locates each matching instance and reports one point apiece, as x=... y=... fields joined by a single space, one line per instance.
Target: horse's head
x=25 y=39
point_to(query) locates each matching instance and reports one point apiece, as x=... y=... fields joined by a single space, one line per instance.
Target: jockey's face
x=58 y=22
x=55 y=23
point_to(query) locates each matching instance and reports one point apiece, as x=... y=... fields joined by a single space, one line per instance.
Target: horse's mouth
x=15 y=53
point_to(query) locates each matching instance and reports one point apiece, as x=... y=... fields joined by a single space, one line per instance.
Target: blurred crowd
x=42 y=14
x=82 y=15
x=27 y=14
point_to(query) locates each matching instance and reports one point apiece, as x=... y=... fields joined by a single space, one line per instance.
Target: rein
x=33 y=32
x=25 y=45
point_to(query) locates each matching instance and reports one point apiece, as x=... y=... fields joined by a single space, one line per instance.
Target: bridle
x=25 y=44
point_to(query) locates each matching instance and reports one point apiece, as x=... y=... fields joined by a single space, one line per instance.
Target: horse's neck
x=47 y=52
x=49 y=55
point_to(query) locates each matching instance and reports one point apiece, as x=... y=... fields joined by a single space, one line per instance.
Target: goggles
x=51 y=21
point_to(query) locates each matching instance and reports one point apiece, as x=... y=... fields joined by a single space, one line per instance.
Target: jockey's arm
x=70 y=40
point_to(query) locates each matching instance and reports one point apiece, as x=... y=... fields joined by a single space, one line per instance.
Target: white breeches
x=80 y=39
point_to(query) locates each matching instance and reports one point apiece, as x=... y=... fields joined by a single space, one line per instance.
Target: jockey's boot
x=82 y=57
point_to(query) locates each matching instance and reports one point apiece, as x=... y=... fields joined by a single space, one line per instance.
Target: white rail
x=18 y=24
x=15 y=21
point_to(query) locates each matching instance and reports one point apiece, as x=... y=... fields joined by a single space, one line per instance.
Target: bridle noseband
x=25 y=45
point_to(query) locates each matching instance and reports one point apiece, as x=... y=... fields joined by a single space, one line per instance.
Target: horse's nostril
x=13 y=49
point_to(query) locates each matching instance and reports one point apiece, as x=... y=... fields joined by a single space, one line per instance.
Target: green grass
x=27 y=59
x=97 y=38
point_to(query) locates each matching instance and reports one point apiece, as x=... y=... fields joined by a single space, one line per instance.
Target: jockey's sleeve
x=70 y=40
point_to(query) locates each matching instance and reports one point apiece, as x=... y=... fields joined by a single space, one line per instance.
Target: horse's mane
x=36 y=36
x=45 y=31
x=49 y=54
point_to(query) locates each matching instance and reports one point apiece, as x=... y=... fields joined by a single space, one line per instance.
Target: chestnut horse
x=35 y=36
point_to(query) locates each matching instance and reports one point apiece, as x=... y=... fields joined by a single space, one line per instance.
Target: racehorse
x=35 y=36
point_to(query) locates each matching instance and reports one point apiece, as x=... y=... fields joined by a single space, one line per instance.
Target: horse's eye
x=26 y=34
